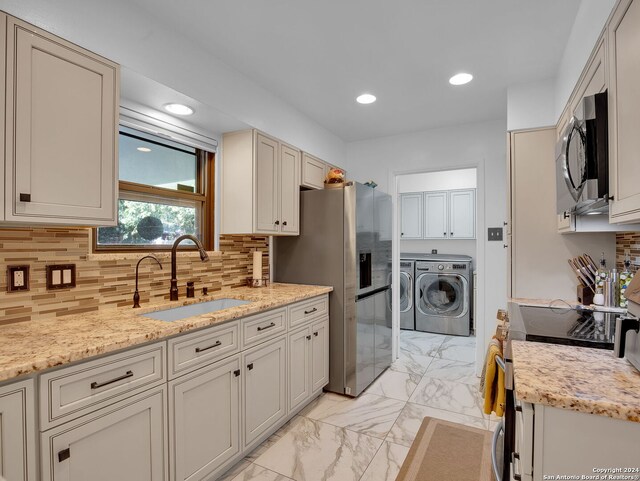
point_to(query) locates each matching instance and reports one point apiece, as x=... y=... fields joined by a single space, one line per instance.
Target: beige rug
x=444 y=451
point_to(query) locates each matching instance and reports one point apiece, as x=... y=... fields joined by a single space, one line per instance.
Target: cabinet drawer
x=74 y=391
x=302 y=312
x=258 y=328
x=202 y=347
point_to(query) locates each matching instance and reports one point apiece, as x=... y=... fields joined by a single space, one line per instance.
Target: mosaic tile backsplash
x=628 y=241
x=108 y=281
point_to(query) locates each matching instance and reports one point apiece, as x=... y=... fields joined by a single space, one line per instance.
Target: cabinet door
x=266 y=185
x=299 y=368
x=462 y=220
x=624 y=112
x=319 y=355
x=61 y=164
x=411 y=216
x=204 y=419
x=313 y=172
x=126 y=441
x=289 y=190
x=264 y=388
x=17 y=432
x=435 y=215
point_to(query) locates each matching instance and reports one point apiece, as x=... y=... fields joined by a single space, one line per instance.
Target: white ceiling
x=319 y=55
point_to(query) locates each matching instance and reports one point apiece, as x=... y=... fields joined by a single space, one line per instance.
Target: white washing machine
x=443 y=294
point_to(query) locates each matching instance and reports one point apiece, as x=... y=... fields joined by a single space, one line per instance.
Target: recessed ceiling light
x=144 y=149
x=366 y=99
x=178 y=109
x=461 y=79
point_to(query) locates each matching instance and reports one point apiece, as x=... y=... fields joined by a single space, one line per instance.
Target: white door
x=299 y=368
x=126 y=441
x=17 y=431
x=289 y=190
x=462 y=214
x=61 y=164
x=624 y=112
x=266 y=195
x=319 y=355
x=204 y=411
x=411 y=216
x=435 y=215
x=265 y=385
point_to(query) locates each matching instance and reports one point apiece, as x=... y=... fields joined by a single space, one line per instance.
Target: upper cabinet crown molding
x=61 y=132
x=260 y=185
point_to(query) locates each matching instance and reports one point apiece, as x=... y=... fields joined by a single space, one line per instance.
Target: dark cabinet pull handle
x=519 y=409
x=236 y=373
x=444 y=234
x=284 y=222
x=315 y=334
x=311 y=311
x=277 y=222
x=202 y=349
x=250 y=366
x=308 y=338
x=452 y=234
x=96 y=385
x=64 y=455
x=25 y=197
x=264 y=328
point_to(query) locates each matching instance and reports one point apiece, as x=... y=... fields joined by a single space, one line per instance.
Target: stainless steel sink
x=182 y=312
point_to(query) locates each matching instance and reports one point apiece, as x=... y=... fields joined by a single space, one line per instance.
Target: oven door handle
x=494 y=450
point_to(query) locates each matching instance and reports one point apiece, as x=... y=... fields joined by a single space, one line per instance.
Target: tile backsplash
x=108 y=281
x=628 y=241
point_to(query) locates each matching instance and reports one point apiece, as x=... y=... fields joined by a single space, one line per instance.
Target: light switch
x=495 y=234
x=61 y=276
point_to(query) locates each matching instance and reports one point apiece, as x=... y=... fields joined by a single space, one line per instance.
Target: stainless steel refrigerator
x=345 y=242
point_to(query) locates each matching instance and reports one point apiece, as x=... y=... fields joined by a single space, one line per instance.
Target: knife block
x=585 y=295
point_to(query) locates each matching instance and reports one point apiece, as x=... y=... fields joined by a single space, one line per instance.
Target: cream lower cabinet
x=265 y=386
x=61 y=130
x=17 y=432
x=308 y=362
x=561 y=442
x=204 y=426
x=126 y=441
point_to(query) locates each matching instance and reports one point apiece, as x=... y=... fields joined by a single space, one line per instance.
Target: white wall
x=121 y=31
x=481 y=145
x=444 y=180
x=531 y=105
x=590 y=20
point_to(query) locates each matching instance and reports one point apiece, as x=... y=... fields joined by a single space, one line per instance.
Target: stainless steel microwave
x=582 y=160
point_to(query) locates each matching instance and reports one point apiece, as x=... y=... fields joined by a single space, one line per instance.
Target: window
x=166 y=190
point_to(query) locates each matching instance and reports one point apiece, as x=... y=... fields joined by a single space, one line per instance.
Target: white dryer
x=443 y=294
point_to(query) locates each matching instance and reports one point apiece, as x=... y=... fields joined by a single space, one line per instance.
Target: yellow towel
x=494 y=391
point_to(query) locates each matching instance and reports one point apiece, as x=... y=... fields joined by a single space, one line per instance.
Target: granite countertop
x=559 y=303
x=582 y=379
x=32 y=346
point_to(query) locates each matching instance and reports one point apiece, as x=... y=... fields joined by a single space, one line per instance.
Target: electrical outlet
x=17 y=278
x=495 y=233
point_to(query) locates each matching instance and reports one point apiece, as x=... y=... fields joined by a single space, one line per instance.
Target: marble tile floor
x=337 y=438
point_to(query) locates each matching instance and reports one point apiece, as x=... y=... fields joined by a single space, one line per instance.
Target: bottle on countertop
x=603 y=273
x=614 y=277
x=625 y=279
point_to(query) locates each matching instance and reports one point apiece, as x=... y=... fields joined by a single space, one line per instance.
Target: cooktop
x=574 y=327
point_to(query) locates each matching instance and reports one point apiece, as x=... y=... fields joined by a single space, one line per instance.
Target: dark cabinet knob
x=284 y=222
x=236 y=373
x=315 y=333
x=308 y=338
x=277 y=222
x=250 y=366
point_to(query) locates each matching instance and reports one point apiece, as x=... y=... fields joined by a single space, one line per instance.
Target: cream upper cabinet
x=61 y=130
x=260 y=185
x=462 y=214
x=435 y=215
x=411 y=216
x=624 y=112
x=17 y=432
x=313 y=172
